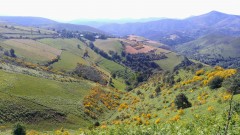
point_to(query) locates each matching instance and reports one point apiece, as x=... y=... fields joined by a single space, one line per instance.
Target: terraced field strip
x=31 y=49
x=111 y=44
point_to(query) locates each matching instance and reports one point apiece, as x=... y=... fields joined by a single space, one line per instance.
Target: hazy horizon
x=68 y=10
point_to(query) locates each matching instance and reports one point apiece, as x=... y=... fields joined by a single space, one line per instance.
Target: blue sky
x=66 y=10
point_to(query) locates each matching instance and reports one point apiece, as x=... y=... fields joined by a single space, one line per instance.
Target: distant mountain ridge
x=27 y=21
x=46 y=23
x=183 y=30
x=96 y=23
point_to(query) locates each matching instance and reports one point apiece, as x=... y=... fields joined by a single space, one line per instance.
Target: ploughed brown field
x=138 y=49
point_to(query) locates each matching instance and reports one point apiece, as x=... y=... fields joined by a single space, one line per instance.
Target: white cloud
x=74 y=9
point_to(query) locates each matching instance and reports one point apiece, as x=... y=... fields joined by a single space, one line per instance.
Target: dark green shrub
x=12 y=53
x=90 y=73
x=179 y=80
x=139 y=92
x=158 y=90
x=181 y=101
x=114 y=75
x=216 y=82
x=236 y=108
x=233 y=84
x=151 y=96
x=19 y=130
x=96 y=124
x=128 y=88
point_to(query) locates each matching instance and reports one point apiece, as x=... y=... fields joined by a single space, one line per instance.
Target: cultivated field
x=111 y=44
x=31 y=50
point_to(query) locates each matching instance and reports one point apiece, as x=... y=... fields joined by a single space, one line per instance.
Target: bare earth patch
x=137 y=49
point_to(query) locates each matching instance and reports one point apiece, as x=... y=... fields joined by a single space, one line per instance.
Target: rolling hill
x=26 y=21
x=62 y=82
x=134 y=45
x=46 y=23
x=49 y=64
x=213 y=49
x=175 y=31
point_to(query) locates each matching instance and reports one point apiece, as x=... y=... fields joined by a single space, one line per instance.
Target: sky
x=67 y=10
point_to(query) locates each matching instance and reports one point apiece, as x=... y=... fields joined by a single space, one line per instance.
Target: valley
x=61 y=78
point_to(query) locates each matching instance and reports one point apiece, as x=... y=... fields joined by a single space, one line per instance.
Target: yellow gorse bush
x=157 y=121
x=226 y=96
x=103 y=126
x=149 y=116
x=32 y=132
x=175 y=118
x=210 y=108
x=98 y=100
x=123 y=106
x=62 y=132
x=180 y=112
x=219 y=71
x=147 y=122
x=199 y=72
x=206 y=77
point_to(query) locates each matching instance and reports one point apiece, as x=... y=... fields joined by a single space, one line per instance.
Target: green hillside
x=67 y=51
x=170 y=62
x=141 y=109
x=112 y=44
x=16 y=31
x=213 y=49
x=72 y=53
x=70 y=84
x=145 y=110
x=47 y=102
x=31 y=50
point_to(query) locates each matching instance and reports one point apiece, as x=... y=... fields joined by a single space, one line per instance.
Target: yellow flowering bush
x=147 y=122
x=62 y=132
x=175 y=118
x=103 y=126
x=149 y=116
x=226 y=96
x=199 y=72
x=180 y=112
x=32 y=132
x=157 y=121
x=210 y=108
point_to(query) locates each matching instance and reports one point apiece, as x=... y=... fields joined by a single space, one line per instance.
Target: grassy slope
x=31 y=50
x=20 y=31
x=73 y=55
x=161 y=105
x=110 y=66
x=114 y=45
x=65 y=44
x=213 y=45
x=23 y=29
x=6 y=30
x=38 y=93
x=166 y=64
x=70 y=46
x=68 y=61
x=170 y=62
x=111 y=44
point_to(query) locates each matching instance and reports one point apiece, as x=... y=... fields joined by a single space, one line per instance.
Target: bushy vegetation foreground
x=197 y=101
